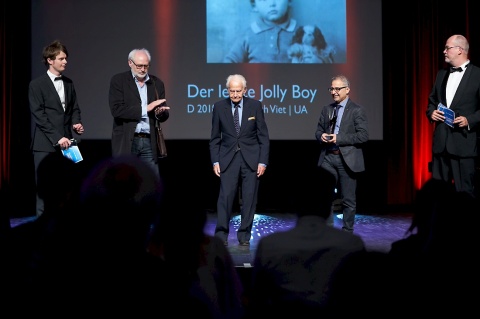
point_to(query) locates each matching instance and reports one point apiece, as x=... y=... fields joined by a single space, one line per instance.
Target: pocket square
x=251 y=118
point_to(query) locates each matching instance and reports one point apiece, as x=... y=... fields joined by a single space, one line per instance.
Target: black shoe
x=244 y=243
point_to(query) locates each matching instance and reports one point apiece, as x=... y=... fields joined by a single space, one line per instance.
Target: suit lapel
x=462 y=86
x=67 y=87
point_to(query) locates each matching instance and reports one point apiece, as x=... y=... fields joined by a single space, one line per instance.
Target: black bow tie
x=459 y=69
x=58 y=78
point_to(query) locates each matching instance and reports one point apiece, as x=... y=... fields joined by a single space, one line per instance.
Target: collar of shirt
x=464 y=66
x=344 y=102
x=260 y=26
x=240 y=104
x=52 y=76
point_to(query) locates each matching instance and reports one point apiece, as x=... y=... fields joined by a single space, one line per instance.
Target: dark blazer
x=253 y=140
x=457 y=141
x=51 y=121
x=126 y=108
x=352 y=136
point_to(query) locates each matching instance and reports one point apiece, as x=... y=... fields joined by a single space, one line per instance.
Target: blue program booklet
x=73 y=153
x=448 y=113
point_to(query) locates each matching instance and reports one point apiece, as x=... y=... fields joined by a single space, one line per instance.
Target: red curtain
x=414 y=34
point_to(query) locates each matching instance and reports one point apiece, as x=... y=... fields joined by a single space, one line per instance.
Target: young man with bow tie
x=54 y=108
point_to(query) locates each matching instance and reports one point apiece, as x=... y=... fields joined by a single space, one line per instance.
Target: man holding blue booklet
x=55 y=110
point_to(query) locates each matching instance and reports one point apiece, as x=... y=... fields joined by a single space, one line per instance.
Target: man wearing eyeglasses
x=342 y=131
x=457 y=88
x=136 y=99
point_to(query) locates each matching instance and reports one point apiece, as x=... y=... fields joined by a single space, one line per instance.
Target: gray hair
x=132 y=53
x=237 y=77
x=342 y=78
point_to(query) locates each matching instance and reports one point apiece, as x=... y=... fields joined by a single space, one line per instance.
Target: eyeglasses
x=336 y=89
x=139 y=67
x=448 y=48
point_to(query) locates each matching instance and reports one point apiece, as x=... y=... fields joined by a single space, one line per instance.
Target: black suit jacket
x=126 y=108
x=51 y=121
x=457 y=141
x=352 y=136
x=253 y=140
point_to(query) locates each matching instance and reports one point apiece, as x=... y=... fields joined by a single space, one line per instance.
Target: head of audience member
x=316 y=198
x=120 y=201
x=437 y=206
x=58 y=181
x=272 y=11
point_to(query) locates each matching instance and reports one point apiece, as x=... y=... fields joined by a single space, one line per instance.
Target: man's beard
x=141 y=76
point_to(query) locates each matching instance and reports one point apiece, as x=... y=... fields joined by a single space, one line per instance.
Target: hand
x=64 y=143
x=161 y=109
x=155 y=104
x=261 y=170
x=438 y=116
x=461 y=121
x=78 y=128
x=216 y=169
x=329 y=138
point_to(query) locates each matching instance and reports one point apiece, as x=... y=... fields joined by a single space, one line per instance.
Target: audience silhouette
x=199 y=268
x=436 y=258
x=292 y=269
x=105 y=245
x=32 y=245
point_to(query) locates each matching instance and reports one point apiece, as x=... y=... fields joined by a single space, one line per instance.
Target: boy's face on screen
x=272 y=10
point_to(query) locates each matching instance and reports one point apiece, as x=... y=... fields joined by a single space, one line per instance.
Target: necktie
x=236 y=119
x=459 y=69
x=333 y=120
x=58 y=78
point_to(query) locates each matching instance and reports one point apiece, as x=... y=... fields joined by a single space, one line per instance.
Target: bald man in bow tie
x=457 y=88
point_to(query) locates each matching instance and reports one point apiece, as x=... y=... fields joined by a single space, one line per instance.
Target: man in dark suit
x=235 y=155
x=457 y=88
x=342 y=131
x=137 y=99
x=55 y=110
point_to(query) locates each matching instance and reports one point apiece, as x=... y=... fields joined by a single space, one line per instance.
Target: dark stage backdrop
x=188 y=40
x=413 y=35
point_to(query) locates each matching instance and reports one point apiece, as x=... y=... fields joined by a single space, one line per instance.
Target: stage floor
x=378 y=232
